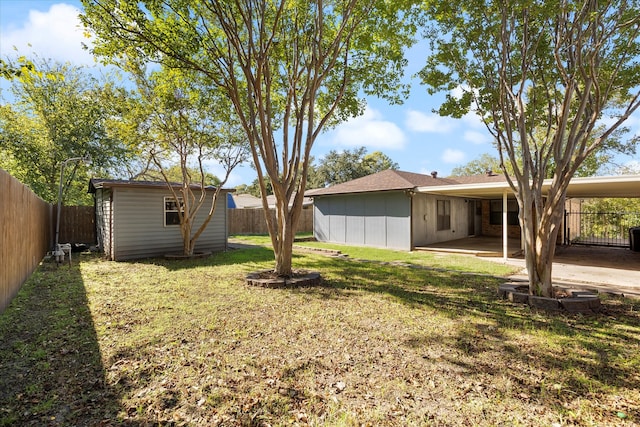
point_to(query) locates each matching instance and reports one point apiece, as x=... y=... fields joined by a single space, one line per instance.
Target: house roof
x=96 y=183
x=271 y=200
x=247 y=201
x=489 y=185
x=388 y=180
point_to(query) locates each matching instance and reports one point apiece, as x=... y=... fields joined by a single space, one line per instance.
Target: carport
x=622 y=186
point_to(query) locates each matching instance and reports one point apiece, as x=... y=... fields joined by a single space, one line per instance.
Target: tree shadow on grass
x=246 y=255
x=588 y=349
x=51 y=371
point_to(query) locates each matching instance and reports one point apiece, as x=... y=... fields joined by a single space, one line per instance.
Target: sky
x=411 y=134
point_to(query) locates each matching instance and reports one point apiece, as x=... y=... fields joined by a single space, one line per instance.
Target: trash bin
x=634 y=239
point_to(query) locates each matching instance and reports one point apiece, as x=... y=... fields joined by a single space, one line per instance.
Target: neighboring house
x=139 y=219
x=307 y=202
x=403 y=210
x=246 y=201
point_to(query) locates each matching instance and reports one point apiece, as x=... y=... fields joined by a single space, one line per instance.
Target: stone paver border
x=300 y=279
x=578 y=301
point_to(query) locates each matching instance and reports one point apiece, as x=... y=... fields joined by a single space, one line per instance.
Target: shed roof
x=96 y=183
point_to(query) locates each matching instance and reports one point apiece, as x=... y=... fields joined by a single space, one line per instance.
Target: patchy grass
x=447 y=261
x=188 y=343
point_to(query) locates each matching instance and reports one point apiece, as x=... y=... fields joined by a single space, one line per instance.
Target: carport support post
x=504 y=226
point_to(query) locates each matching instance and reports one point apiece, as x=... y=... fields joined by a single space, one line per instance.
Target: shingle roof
x=479 y=179
x=390 y=180
x=387 y=180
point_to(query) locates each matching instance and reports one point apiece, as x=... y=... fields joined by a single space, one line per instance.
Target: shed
x=138 y=219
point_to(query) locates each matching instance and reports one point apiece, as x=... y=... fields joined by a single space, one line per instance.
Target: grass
x=448 y=261
x=161 y=342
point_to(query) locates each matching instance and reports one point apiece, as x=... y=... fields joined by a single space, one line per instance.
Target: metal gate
x=599 y=228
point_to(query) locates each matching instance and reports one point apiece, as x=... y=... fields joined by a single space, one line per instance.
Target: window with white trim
x=171 y=216
x=444 y=214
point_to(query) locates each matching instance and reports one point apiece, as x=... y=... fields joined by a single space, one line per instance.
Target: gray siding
x=372 y=219
x=139 y=230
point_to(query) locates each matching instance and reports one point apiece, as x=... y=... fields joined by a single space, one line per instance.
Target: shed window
x=495 y=212
x=444 y=214
x=171 y=210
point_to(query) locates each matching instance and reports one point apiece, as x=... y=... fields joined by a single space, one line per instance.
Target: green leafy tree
x=543 y=76
x=176 y=118
x=55 y=115
x=174 y=174
x=486 y=162
x=11 y=70
x=290 y=68
x=337 y=167
x=255 y=188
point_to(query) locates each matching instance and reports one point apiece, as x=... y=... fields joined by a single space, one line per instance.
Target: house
x=246 y=201
x=139 y=219
x=385 y=210
x=403 y=210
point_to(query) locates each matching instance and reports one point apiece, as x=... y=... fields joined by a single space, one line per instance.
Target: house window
x=444 y=214
x=171 y=216
x=495 y=212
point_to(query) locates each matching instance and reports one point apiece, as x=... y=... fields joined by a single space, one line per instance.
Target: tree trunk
x=540 y=233
x=283 y=249
x=185 y=230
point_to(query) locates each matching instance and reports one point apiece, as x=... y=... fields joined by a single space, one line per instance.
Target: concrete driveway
x=605 y=269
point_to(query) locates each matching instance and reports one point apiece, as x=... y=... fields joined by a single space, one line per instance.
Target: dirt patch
x=197 y=255
x=269 y=279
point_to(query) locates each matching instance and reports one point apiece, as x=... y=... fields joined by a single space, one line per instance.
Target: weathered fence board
x=77 y=224
x=252 y=221
x=25 y=235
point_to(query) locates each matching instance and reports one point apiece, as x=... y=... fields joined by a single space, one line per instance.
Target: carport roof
x=624 y=186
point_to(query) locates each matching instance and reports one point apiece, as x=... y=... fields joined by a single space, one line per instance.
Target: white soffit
x=600 y=186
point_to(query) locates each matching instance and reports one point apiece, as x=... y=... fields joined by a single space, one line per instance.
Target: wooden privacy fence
x=252 y=221
x=77 y=224
x=28 y=226
x=25 y=224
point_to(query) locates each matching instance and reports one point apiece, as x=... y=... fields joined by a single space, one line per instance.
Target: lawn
x=159 y=342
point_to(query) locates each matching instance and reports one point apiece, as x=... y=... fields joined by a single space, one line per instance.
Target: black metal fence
x=599 y=228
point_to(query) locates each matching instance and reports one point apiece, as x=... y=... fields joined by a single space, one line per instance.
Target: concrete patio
x=605 y=269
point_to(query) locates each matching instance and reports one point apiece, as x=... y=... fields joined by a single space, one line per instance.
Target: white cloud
x=369 y=130
x=56 y=33
x=453 y=156
x=477 y=138
x=632 y=167
x=472 y=119
x=433 y=123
